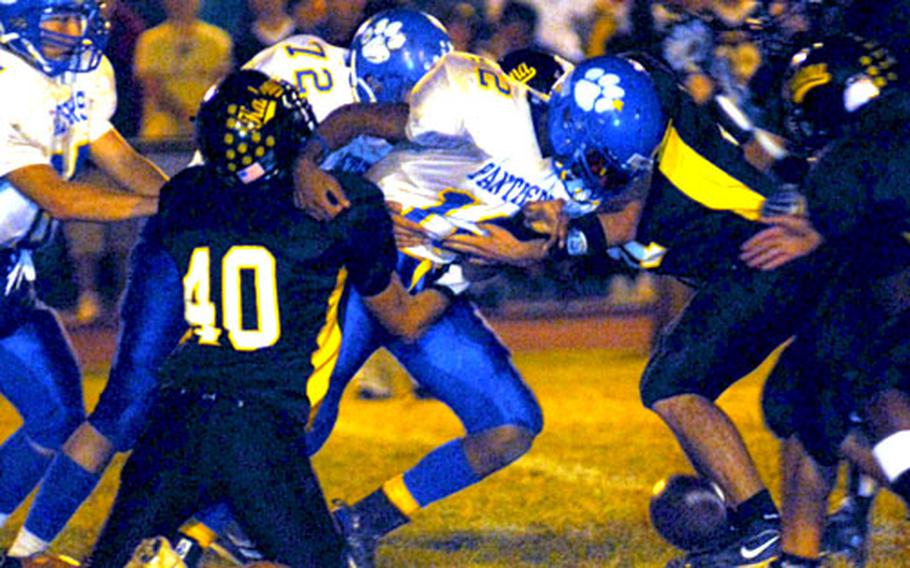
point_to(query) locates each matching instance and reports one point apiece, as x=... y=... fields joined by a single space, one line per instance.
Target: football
x=688 y=511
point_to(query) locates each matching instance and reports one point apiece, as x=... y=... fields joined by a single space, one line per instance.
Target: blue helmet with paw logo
x=393 y=50
x=55 y=35
x=604 y=123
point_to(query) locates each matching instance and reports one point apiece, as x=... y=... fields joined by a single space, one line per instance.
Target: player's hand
x=786 y=239
x=499 y=246
x=547 y=218
x=317 y=192
x=407 y=232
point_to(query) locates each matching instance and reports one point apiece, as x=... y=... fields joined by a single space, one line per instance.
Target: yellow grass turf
x=579 y=498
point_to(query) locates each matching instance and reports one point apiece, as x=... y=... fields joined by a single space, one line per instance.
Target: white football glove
x=452 y=279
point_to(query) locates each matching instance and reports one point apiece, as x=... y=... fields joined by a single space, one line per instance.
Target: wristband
x=585 y=236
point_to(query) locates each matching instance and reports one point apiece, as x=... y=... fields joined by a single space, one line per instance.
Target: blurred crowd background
x=166 y=53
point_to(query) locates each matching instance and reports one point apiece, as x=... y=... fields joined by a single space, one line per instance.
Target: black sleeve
x=836 y=191
x=370 y=245
x=183 y=195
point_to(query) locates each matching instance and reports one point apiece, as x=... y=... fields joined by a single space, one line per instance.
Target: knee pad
x=503 y=445
x=514 y=443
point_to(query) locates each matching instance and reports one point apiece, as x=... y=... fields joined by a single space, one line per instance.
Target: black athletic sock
x=759 y=508
x=378 y=515
x=901 y=486
x=860 y=503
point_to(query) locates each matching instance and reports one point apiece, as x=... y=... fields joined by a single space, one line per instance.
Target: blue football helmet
x=392 y=51
x=604 y=123
x=27 y=29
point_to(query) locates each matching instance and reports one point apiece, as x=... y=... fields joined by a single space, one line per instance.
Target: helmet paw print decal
x=381 y=39
x=599 y=91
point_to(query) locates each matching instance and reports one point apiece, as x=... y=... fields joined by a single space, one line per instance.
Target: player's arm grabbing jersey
x=472 y=154
x=704 y=197
x=320 y=71
x=263 y=285
x=47 y=126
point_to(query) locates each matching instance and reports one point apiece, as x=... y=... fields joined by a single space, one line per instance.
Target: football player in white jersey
x=58 y=94
x=471 y=155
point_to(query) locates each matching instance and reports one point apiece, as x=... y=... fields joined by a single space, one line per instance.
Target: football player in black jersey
x=845 y=96
x=262 y=287
x=687 y=200
x=701 y=201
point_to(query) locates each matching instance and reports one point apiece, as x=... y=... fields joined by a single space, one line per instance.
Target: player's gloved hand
x=500 y=246
x=317 y=192
x=452 y=281
x=547 y=218
x=788 y=238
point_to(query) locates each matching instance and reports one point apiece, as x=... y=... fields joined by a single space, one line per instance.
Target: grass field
x=579 y=498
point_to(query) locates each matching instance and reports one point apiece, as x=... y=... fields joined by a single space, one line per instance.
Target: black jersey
x=263 y=283
x=703 y=197
x=859 y=192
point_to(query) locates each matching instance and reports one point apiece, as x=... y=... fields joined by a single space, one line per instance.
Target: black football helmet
x=250 y=127
x=829 y=81
x=689 y=512
x=538 y=69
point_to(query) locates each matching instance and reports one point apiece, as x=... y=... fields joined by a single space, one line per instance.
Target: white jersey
x=46 y=121
x=320 y=71
x=473 y=154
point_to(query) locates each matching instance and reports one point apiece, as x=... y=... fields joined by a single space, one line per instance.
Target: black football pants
x=199 y=450
x=731 y=324
x=855 y=346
